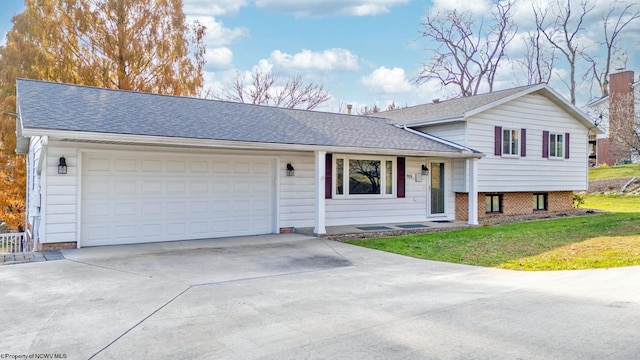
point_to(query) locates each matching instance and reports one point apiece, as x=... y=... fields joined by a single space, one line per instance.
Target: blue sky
x=363 y=52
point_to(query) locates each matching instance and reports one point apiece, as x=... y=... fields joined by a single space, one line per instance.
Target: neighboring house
x=617 y=121
x=117 y=167
x=534 y=140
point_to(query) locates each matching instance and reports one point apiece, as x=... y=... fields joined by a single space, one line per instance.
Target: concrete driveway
x=297 y=297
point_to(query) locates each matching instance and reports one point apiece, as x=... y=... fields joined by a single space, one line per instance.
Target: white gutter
x=464 y=149
x=227 y=144
x=436 y=121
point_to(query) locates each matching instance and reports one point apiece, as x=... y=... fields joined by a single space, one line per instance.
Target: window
x=493 y=203
x=556 y=146
x=510 y=142
x=540 y=201
x=364 y=176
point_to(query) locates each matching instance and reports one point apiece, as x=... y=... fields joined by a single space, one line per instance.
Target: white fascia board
x=504 y=100
x=435 y=121
x=61 y=135
x=572 y=110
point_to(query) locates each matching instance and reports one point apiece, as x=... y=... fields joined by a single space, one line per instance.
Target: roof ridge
x=184 y=97
x=467 y=97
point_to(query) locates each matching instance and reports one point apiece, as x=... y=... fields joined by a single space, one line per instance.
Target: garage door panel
x=178 y=166
x=151 y=166
x=126 y=165
x=199 y=187
x=96 y=187
x=144 y=198
x=199 y=167
x=176 y=229
x=126 y=209
x=126 y=187
x=176 y=187
x=125 y=233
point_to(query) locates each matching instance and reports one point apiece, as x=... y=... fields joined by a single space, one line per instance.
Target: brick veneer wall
x=514 y=203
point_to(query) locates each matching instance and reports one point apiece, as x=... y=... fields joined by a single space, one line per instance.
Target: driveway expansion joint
x=140 y=322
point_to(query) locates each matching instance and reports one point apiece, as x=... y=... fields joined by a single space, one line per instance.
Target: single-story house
x=117 y=167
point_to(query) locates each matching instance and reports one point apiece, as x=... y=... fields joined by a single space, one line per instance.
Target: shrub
x=578 y=200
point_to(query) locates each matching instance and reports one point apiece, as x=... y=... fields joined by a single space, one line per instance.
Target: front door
x=437 y=189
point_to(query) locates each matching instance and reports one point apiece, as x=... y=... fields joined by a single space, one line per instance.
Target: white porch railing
x=15 y=243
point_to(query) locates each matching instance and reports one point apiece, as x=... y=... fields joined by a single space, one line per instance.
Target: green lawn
x=614 y=172
x=595 y=241
x=615 y=203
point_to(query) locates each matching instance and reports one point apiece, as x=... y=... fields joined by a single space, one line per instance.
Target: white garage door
x=130 y=199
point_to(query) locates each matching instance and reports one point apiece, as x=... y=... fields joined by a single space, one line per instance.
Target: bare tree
x=538 y=59
x=366 y=110
x=262 y=88
x=614 y=21
x=468 y=54
x=562 y=28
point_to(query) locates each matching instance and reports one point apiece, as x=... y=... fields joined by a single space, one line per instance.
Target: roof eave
x=62 y=135
x=435 y=121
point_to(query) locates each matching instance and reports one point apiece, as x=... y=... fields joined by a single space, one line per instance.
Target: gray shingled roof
x=46 y=106
x=454 y=108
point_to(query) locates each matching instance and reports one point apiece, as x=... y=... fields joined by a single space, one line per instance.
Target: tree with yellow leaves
x=140 y=45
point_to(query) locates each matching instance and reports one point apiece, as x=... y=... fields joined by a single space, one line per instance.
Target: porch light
x=290 y=170
x=425 y=170
x=62 y=166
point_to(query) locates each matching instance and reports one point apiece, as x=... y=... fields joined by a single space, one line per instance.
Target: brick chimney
x=621 y=113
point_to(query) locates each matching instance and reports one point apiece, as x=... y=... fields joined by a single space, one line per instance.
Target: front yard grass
x=611 y=202
x=595 y=241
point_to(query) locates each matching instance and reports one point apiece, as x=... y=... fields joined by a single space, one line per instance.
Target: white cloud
x=318 y=8
x=218 y=35
x=219 y=58
x=307 y=60
x=391 y=81
x=477 y=7
x=213 y=8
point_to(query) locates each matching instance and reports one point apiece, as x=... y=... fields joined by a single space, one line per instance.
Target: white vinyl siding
x=533 y=172
x=297 y=192
x=59 y=196
x=460 y=180
x=454 y=132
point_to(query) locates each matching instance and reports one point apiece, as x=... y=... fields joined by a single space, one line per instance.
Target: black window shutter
x=545 y=144
x=523 y=142
x=400 y=177
x=566 y=145
x=497 y=147
x=328 y=176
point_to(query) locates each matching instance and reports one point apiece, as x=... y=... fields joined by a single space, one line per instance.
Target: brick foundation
x=286 y=230
x=514 y=203
x=57 y=246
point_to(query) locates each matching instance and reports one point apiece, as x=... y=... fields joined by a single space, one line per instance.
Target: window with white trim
x=556 y=146
x=364 y=176
x=510 y=142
